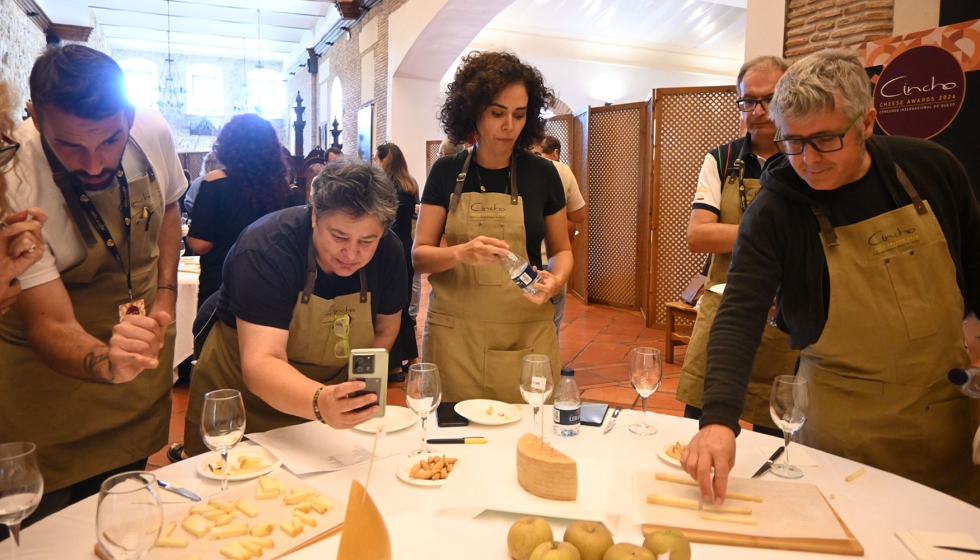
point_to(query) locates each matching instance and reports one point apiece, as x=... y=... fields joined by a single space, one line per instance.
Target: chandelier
x=171 y=93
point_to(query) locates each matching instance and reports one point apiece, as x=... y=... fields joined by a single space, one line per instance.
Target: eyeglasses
x=8 y=149
x=822 y=143
x=341 y=328
x=749 y=105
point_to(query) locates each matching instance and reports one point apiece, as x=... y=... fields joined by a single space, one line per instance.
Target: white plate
x=406 y=467
x=480 y=411
x=662 y=453
x=717 y=288
x=233 y=455
x=395 y=418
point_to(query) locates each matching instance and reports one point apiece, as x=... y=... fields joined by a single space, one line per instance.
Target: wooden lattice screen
x=431 y=151
x=616 y=168
x=689 y=122
x=578 y=284
x=191 y=161
x=561 y=128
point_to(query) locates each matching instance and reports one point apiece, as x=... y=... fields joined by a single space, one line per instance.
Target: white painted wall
x=413 y=106
x=765 y=25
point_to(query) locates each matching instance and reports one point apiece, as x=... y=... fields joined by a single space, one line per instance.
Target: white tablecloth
x=186 y=311
x=874 y=506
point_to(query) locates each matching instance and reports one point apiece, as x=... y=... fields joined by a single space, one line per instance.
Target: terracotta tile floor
x=595 y=340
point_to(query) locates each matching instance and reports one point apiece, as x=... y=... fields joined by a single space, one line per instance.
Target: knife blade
x=177 y=490
x=612 y=421
x=958 y=549
x=765 y=468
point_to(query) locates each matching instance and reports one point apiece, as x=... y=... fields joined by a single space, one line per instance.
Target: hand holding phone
x=370 y=365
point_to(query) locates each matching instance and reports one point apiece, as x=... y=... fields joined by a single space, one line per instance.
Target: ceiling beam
x=190 y=39
x=298 y=7
x=202 y=26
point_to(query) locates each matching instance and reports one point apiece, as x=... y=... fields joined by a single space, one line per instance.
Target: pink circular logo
x=920 y=92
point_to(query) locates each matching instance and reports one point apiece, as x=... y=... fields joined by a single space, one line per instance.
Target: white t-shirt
x=30 y=183
x=573 y=196
x=708 y=194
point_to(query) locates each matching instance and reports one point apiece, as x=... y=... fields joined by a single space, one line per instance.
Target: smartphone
x=370 y=365
x=593 y=414
x=447 y=417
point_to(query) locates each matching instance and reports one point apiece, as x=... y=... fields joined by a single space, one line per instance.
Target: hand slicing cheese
x=544 y=471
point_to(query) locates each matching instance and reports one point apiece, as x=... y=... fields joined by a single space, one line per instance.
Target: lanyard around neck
x=103 y=230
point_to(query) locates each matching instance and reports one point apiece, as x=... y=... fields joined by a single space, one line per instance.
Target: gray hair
x=210 y=162
x=822 y=81
x=447 y=148
x=357 y=189
x=764 y=62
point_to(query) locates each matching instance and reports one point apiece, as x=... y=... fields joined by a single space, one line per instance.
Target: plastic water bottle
x=521 y=272
x=968 y=380
x=568 y=405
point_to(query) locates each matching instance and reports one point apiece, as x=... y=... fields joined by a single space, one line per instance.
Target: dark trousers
x=695 y=414
x=53 y=502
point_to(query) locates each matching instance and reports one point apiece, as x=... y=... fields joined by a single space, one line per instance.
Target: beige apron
x=878 y=388
x=310 y=350
x=774 y=356
x=83 y=429
x=479 y=326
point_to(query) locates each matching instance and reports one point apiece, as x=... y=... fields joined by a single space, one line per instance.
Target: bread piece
x=544 y=471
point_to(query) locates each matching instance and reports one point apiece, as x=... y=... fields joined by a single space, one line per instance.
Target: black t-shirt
x=266 y=270
x=538 y=185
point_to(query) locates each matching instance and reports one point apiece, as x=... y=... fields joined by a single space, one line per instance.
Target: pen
x=459 y=440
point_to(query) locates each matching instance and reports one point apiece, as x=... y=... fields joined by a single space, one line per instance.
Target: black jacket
x=779 y=246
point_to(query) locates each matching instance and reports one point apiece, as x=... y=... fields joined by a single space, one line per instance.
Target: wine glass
x=788 y=405
x=129 y=516
x=537 y=383
x=423 y=393
x=223 y=425
x=183 y=247
x=21 y=486
x=646 y=374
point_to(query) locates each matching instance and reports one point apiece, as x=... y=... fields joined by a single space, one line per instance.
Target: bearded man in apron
x=874 y=243
x=728 y=183
x=301 y=287
x=492 y=199
x=97 y=309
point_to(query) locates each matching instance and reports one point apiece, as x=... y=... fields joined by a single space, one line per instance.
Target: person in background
x=334 y=154
x=208 y=164
x=575 y=210
x=405 y=350
x=251 y=184
x=727 y=184
x=874 y=245
x=493 y=199
x=86 y=352
x=303 y=286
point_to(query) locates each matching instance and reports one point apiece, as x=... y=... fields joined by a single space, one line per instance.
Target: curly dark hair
x=479 y=79
x=248 y=148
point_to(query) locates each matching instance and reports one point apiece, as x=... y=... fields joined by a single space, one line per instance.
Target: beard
x=85 y=180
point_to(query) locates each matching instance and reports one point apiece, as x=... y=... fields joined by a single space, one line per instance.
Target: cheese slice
x=544 y=471
x=365 y=534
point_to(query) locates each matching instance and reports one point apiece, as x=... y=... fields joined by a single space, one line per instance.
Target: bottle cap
x=958 y=376
x=569 y=372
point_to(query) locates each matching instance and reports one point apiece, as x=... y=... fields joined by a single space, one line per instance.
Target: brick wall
x=812 y=25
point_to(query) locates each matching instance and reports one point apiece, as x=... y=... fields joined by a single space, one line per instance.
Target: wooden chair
x=678 y=334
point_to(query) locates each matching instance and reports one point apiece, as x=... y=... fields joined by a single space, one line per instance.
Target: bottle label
x=568 y=417
x=526 y=278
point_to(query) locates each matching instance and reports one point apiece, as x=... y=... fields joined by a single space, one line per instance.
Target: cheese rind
x=544 y=471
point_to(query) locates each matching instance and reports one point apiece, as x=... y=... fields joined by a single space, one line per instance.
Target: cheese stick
x=727 y=509
x=691 y=482
x=728 y=518
x=672 y=501
x=855 y=474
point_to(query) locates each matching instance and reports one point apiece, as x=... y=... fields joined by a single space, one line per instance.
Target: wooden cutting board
x=849 y=546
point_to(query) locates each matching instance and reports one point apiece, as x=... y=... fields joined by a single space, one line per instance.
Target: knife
x=765 y=468
x=612 y=421
x=177 y=490
x=958 y=549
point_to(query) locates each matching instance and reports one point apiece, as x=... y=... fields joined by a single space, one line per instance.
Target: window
x=336 y=102
x=205 y=90
x=266 y=93
x=142 y=82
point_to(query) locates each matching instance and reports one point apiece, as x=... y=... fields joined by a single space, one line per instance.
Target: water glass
x=21 y=486
x=129 y=516
x=223 y=425
x=537 y=383
x=423 y=393
x=646 y=374
x=788 y=406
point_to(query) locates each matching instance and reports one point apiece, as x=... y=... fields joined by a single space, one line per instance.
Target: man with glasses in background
x=728 y=182
x=874 y=245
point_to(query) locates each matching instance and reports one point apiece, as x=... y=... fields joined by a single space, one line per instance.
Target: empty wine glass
x=129 y=516
x=788 y=406
x=223 y=425
x=537 y=383
x=646 y=374
x=21 y=486
x=423 y=393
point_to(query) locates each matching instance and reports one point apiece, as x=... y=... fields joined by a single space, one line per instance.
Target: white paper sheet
x=315 y=447
x=922 y=544
x=789 y=509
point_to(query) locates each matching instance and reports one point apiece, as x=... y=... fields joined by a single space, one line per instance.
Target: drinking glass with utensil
x=129 y=515
x=423 y=393
x=223 y=425
x=788 y=406
x=646 y=374
x=21 y=486
x=537 y=383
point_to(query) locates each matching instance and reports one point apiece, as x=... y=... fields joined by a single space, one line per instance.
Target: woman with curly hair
x=495 y=198
x=251 y=185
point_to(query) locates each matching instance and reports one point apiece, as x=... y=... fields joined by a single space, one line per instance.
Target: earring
x=471 y=139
